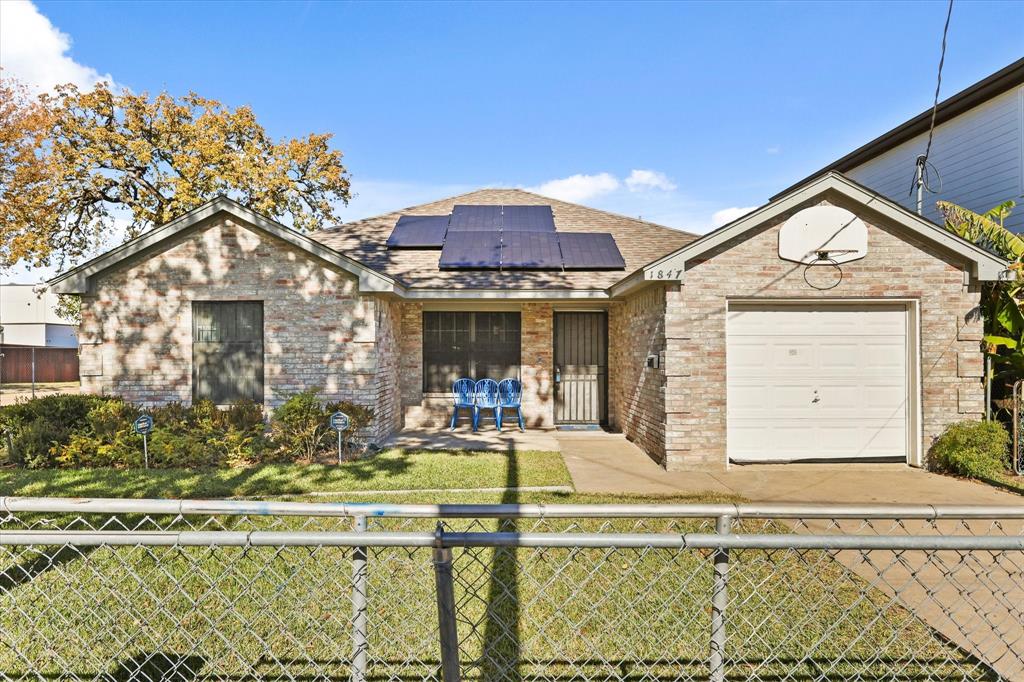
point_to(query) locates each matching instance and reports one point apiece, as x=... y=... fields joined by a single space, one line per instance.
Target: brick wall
x=389 y=367
x=537 y=353
x=897 y=265
x=636 y=392
x=411 y=345
x=136 y=332
x=536 y=362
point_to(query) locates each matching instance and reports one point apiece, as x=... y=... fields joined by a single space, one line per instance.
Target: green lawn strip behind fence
x=524 y=613
x=391 y=470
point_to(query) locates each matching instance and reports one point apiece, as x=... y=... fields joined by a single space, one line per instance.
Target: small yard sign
x=142 y=426
x=340 y=422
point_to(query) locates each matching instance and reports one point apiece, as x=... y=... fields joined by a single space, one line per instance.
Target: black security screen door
x=227 y=351
x=581 y=368
x=473 y=345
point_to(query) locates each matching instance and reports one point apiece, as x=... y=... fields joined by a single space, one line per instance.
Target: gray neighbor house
x=727 y=347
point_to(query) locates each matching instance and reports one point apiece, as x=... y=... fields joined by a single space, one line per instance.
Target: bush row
x=93 y=431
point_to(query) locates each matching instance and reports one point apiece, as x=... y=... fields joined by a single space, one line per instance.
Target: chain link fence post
x=719 y=602
x=447 y=631
x=359 y=616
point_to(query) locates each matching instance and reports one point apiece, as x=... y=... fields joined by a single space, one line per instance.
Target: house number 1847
x=665 y=274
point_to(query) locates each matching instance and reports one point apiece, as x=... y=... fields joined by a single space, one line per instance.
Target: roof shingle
x=366 y=241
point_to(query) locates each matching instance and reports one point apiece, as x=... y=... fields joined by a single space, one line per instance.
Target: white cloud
x=773 y=150
x=578 y=187
x=644 y=180
x=727 y=215
x=34 y=51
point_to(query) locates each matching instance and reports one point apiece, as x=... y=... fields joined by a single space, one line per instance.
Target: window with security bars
x=481 y=345
x=227 y=351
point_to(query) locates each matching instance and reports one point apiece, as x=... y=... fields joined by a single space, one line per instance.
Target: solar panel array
x=590 y=251
x=530 y=251
x=476 y=250
x=419 y=232
x=484 y=237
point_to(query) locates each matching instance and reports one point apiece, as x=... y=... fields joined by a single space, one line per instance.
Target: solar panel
x=418 y=232
x=471 y=250
x=530 y=251
x=475 y=218
x=527 y=219
x=590 y=251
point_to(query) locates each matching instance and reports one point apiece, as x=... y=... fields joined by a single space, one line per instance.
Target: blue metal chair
x=486 y=399
x=510 y=397
x=463 y=396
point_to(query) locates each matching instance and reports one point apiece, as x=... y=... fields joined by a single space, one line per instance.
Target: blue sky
x=722 y=104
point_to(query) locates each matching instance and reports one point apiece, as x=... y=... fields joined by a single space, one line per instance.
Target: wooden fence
x=51 y=364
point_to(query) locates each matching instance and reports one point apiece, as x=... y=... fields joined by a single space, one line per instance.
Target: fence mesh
x=623 y=611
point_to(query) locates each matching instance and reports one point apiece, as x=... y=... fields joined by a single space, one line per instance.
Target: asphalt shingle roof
x=365 y=241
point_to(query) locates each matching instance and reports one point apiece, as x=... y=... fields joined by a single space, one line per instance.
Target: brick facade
x=136 y=332
x=748 y=267
x=636 y=392
x=319 y=331
x=537 y=353
x=536 y=362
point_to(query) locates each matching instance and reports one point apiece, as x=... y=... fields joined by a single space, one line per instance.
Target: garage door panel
x=812 y=382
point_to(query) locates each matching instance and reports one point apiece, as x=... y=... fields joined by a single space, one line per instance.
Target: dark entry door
x=581 y=368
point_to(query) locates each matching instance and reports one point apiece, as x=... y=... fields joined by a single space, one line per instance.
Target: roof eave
x=983 y=265
x=80 y=280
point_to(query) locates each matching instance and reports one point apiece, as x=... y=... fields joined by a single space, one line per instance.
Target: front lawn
x=391 y=470
x=582 y=614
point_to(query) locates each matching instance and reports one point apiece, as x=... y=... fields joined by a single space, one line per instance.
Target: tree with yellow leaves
x=72 y=161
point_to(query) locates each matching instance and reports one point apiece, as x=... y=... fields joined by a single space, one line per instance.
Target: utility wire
x=922 y=178
x=938 y=82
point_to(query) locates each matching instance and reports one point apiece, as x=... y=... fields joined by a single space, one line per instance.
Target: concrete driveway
x=608 y=463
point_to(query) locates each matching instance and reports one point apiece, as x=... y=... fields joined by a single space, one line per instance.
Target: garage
x=818 y=381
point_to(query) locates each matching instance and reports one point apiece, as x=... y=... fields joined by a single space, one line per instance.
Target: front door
x=581 y=368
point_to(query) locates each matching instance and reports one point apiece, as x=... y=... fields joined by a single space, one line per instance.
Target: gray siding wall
x=979 y=156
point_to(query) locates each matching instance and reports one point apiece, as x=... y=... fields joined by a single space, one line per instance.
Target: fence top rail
x=83 y=505
x=214 y=539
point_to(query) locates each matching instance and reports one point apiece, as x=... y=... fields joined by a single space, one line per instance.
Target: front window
x=474 y=345
x=227 y=351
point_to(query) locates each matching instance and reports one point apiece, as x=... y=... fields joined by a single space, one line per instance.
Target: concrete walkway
x=608 y=463
x=974 y=600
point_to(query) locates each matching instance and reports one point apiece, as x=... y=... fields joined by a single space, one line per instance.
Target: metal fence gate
x=220 y=590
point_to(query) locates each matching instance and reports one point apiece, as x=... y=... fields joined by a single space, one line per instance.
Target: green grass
x=271 y=613
x=391 y=470
x=555 y=614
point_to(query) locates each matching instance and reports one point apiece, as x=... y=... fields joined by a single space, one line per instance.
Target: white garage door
x=816 y=382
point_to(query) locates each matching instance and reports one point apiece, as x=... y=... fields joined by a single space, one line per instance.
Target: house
x=977 y=154
x=36 y=343
x=28 y=317
x=763 y=340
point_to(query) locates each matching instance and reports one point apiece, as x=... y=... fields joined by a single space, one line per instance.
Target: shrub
x=300 y=430
x=32 y=429
x=90 y=431
x=970 y=448
x=299 y=426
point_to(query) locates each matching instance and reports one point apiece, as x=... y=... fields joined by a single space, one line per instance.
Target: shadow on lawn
x=28 y=569
x=159 y=666
x=502 y=648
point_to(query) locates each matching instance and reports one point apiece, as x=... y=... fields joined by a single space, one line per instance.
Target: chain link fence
x=168 y=590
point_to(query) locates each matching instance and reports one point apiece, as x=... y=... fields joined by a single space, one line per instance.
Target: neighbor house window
x=227 y=351
x=474 y=345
